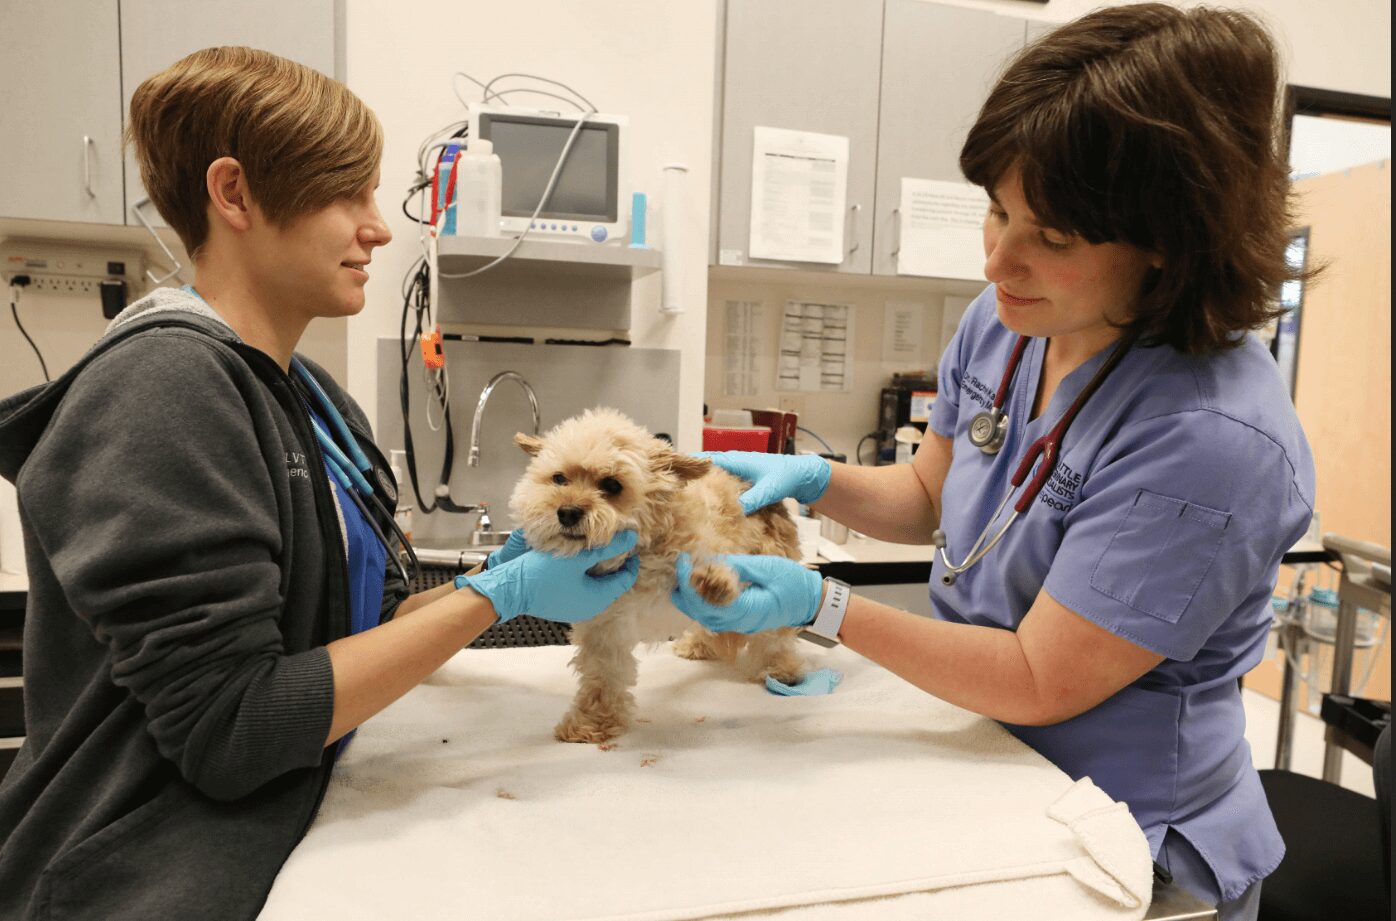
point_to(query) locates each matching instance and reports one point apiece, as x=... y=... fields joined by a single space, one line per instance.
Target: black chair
x=521 y=631
x=1338 y=847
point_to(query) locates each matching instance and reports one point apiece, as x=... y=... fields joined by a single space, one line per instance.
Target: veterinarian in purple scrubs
x=1138 y=216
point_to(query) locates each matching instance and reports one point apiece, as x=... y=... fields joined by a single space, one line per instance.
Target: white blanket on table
x=456 y=802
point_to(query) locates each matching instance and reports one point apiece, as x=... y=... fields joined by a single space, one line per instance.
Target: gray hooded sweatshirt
x=186 y=569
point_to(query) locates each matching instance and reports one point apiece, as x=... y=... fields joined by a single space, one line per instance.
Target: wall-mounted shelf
x=557 y=257
x=545 y=282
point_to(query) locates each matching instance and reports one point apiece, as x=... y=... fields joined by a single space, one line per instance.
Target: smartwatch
x=825 y=628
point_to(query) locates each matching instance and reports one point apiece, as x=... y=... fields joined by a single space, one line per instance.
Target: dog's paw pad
x=715 y=583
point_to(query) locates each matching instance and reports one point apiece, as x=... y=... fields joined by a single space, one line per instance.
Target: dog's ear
x=682 y=466
x=531 y=444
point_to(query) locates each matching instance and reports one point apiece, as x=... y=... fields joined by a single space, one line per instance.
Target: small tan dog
x=599 y=473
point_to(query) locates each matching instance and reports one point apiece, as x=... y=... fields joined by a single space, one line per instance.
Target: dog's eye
x=611 y=486
x=559 y=479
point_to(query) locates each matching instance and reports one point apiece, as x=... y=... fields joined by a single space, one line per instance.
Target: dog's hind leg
x=773 y=653
x=698 y=643
x=603 y=707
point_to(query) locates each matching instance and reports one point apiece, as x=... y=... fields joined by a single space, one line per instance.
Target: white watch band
x=825 y=629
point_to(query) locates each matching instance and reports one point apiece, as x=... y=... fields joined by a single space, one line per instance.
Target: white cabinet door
x=938 y=64
x=156 y=33
x=804 y=65
x=60 y=125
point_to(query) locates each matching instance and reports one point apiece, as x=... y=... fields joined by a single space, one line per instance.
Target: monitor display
x=528 y=150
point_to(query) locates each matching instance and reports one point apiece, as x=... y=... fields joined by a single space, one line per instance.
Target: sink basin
x=488 y=538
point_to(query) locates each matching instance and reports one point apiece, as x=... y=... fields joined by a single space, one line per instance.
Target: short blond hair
x=303 y=139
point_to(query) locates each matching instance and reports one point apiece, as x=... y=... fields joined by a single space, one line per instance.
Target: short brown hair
x=1157 y=127
x=303 y=139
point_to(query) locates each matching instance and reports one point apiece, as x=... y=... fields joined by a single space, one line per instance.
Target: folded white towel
x=456 y=802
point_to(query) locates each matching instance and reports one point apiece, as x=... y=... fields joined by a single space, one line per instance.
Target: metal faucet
x=473 y=460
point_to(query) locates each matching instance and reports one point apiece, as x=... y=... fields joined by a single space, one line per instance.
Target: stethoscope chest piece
x=385 y=480
x=988 y=430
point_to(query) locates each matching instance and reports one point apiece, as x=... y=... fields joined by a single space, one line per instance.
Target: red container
x=750 y=438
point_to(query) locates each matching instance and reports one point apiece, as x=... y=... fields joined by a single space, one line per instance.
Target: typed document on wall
x=942 y=225
x=815 y=347
x=799 y=190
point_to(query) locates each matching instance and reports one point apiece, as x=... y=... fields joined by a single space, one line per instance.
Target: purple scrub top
x=1180 y=485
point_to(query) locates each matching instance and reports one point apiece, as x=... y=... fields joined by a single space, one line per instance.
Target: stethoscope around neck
x=988 y=431
x=351 y=468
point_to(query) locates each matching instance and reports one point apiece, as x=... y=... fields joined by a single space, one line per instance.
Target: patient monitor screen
x=528 y=152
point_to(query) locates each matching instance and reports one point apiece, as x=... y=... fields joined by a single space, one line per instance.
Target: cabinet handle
x=150 y=229
x=852 y=220
x=87 y=166
x=897 y=247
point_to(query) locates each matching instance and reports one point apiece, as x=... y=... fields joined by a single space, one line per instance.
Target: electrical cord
x=16 y=284
x=572 y=102
x=827 y=447
x=413 y=289
x=488 y=87
x=858 y=451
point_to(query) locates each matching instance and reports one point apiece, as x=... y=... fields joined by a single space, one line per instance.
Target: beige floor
x=1262 y=726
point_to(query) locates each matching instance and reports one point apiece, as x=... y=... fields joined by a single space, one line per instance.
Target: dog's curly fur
x=599 y=473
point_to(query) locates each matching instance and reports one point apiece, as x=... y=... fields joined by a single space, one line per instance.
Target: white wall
x=651 y=60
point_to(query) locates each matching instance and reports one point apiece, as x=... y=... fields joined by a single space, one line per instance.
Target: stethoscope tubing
x=1043 y=453
x=349 y=470
x=350 y=474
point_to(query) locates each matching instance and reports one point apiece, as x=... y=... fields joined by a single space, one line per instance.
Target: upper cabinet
x=60 y=64
x=156 y=33
x=806 y=65
x=71 y=69
x=938 y=64
x=902 y=79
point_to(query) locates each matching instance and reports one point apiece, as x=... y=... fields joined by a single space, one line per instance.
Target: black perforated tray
x=521 y=631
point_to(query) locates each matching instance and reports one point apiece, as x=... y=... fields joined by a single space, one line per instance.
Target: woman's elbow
x=224 y=786
x=1049 y=710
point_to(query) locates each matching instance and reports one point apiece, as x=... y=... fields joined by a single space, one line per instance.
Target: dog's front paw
x=716 y=583
x=587 y=727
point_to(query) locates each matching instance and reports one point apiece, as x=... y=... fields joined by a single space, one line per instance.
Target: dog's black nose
x=569 y=515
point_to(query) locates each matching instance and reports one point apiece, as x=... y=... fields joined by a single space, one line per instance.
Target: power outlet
x=64 y=284
x=67 y=268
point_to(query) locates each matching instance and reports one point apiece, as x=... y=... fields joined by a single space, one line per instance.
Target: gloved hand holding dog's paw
x=515 y=546
x=557 y=587
x=779 y=593
x=773 y=477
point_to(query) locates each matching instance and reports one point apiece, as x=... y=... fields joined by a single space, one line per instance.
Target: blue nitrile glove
x=802 y=477
x=557 y=587
x=813 y=684
x=514 y=547
x=780 y=593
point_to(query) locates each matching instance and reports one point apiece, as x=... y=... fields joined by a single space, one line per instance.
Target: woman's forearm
x=982 y=669
x=374 y=668
x=888 y=503
x=421 y=599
